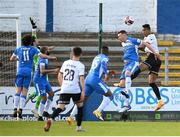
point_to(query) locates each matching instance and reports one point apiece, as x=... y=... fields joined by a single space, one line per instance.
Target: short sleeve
x=104 y=65
x=81 y=70
x=136 y=41
x=37 y=51
x=148 y=39
x=43 y=62
x=62 y=68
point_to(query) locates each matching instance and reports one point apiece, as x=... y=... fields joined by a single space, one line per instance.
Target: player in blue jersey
x=94 y=83
x=42 y=85
x=24 y=55
x=131 y=63
x=35 y=60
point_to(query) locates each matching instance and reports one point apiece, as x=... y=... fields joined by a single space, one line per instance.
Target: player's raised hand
x=33 y=23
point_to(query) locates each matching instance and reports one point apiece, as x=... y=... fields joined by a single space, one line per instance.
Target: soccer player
x=152 y=63
x=131 y=63
x=35 y=60
x=24 y=54
x=42 y=85
x=95 y=83
x=71 y=80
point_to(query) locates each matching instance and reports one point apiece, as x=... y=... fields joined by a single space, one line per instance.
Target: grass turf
x=22 y=128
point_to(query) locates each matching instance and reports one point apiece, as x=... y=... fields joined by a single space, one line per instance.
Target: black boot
x=46 y=114
x=40 y=118
x=15 y=112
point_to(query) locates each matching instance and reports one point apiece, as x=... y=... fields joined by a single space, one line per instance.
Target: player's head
x=105 y=50
x=77 y=51
x=27 y=40
x=146 y=29
x=122 y=36
x=44 y=50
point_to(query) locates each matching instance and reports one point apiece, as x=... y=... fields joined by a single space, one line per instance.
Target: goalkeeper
x=35 y=60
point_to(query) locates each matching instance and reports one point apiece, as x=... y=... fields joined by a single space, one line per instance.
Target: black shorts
x=154 y=65
x=65 y=98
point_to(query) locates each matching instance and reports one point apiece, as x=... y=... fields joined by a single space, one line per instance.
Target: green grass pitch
x=23 y=128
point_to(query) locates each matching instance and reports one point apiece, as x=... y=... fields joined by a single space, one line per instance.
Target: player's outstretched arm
x=34 y=27
x=47 y=57
x=141 y=47
x=51 y=48
x=13 y=58
x=33 y=23
x=152 y=49
x=47 y=71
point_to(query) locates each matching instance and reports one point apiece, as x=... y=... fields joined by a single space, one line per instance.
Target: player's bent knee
x=79 y=104
x=51 y=93
x=152 y=84
x=19 y=89
x=24 y=92
x=44 y=97
x=143 y=67
x=122 y=83
x=127 y=73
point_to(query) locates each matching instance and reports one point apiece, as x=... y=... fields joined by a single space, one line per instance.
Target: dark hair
x=44 y=49
x=122 y=32
x=77 y=51
x=146 y=26
x=27 y=40
x=105 y=50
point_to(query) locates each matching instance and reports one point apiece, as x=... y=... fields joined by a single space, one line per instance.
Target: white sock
x=48 y=104
x=22 y=101
x=122 y=97
x=104 y=103
x=128 y=83
x=16 y=100
x=126 y=102
x=41 y=108
x=74 y=111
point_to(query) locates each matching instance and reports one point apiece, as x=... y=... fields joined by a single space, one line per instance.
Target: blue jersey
x=25 y=56
x=130 y=49
x=38 y=76
x=99 y=66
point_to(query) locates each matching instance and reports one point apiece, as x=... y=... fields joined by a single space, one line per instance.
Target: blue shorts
x=42 y=88
x=23 y=81
x=131 y=66
x=95 y=84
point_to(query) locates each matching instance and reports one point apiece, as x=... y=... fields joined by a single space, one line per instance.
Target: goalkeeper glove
x=33 y=23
